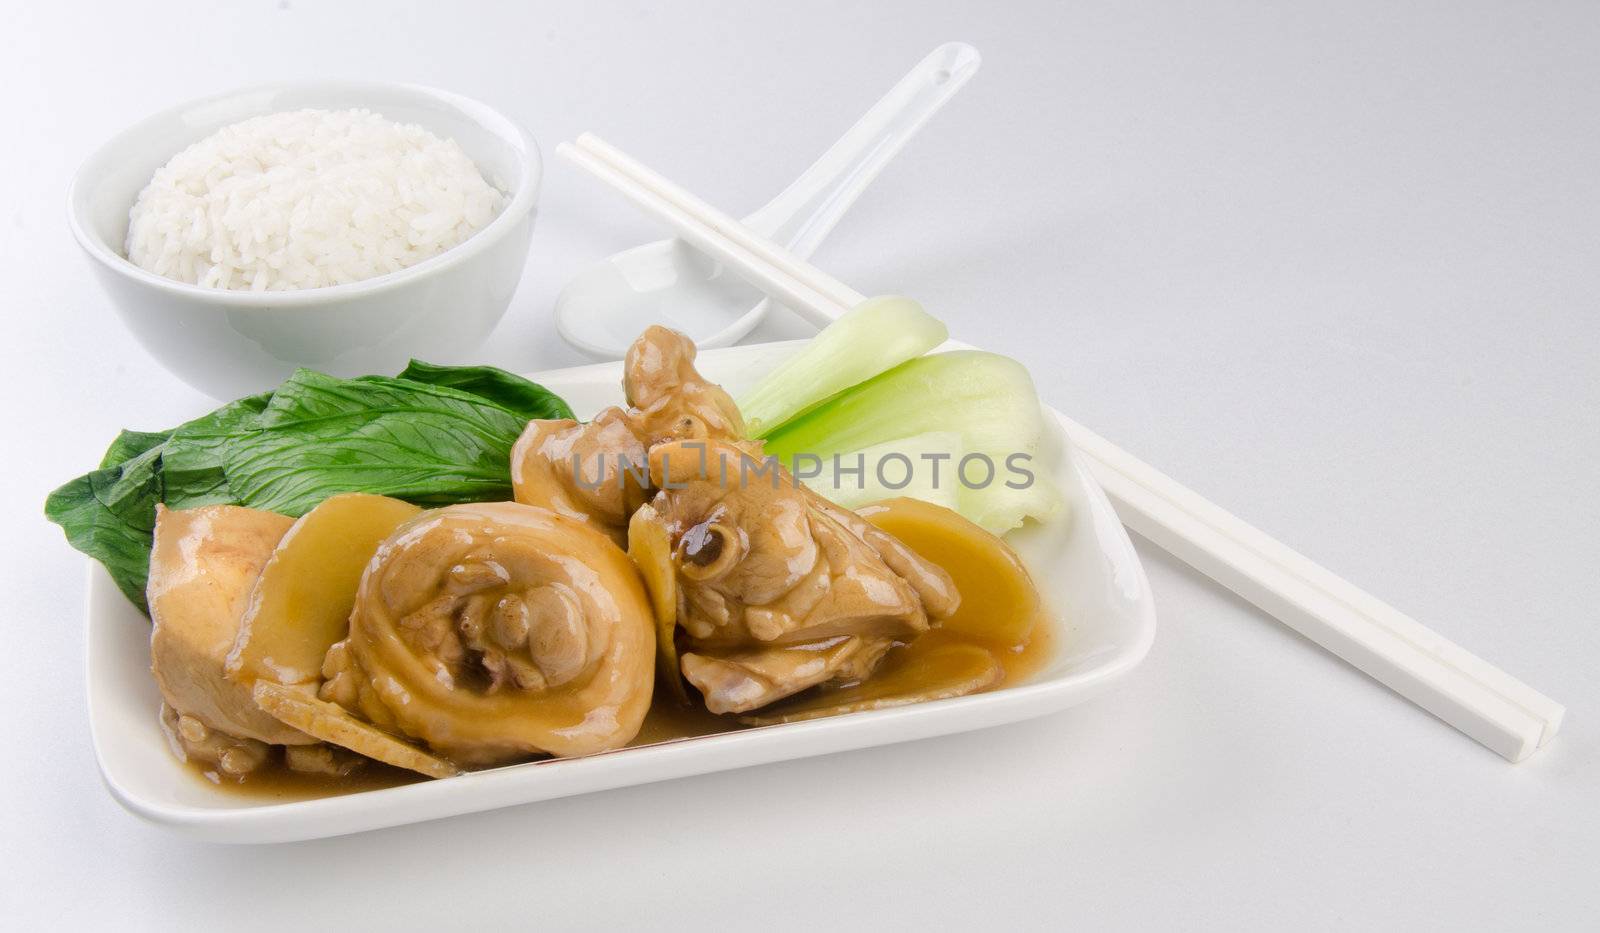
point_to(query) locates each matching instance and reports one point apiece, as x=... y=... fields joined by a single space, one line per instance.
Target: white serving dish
x=1084 y=564
x=233 y=343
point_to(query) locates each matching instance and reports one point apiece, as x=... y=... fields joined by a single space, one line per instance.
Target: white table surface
x=1334 y=265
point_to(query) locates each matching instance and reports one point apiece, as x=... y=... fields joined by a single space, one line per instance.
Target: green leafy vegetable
x=874 y=336
x=321 y=436
x=986 y=398
x=130 y=444
x=509 y=391
x=863 y=391
x=921 y=467
x=434 y=435
x=193 y=470
x=109 y=514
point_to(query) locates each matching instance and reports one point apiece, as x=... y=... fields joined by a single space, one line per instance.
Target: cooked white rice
x=305 y=199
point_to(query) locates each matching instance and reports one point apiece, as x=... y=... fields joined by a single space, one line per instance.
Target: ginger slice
x=999 y=603
x=651 y=550
x=332 y=723
x=301 y=603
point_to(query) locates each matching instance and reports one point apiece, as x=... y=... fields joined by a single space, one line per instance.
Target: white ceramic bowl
x=233 y=343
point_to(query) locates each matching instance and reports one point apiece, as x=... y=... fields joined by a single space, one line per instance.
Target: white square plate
x=1084 y=564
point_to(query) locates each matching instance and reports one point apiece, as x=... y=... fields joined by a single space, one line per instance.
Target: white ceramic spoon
x=607 y=304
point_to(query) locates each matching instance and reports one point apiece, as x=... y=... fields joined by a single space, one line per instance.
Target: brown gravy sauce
x=669 y=720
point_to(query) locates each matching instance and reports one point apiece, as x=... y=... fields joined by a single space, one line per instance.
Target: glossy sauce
x=275 y=783
x=1022 y=641
x=669 y=720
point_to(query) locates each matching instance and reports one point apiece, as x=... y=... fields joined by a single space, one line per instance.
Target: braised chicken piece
x=489 y=633
x=925 y=670
x=931 y=582
x=583 y=469
x=778 y=591
x=548 y=457
x=193 y=740
x=203 y=567
x=744 y=680
x=669 y=398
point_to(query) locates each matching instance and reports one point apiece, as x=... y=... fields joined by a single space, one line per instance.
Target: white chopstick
x=768 y=266
x=1465 y=691
x=1470 y=694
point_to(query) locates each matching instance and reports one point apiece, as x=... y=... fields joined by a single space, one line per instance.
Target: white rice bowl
x=307 y=199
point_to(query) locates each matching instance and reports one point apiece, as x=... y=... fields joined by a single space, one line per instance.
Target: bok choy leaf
x=876 y=335
x=435 y=435
x=921 y=467
x=986 y=399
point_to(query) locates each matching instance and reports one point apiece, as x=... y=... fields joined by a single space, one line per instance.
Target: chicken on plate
x=778 y=590
x=595 y=470
x=481 y=634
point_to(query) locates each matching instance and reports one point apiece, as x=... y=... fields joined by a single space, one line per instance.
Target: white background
x=1335 y=265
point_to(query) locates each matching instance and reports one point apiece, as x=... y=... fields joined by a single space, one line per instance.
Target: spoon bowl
x=609 y=302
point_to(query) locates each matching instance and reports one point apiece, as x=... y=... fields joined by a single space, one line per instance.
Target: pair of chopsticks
x=1465 y=691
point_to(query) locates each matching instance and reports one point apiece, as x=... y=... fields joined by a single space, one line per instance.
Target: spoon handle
x=807 y=210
